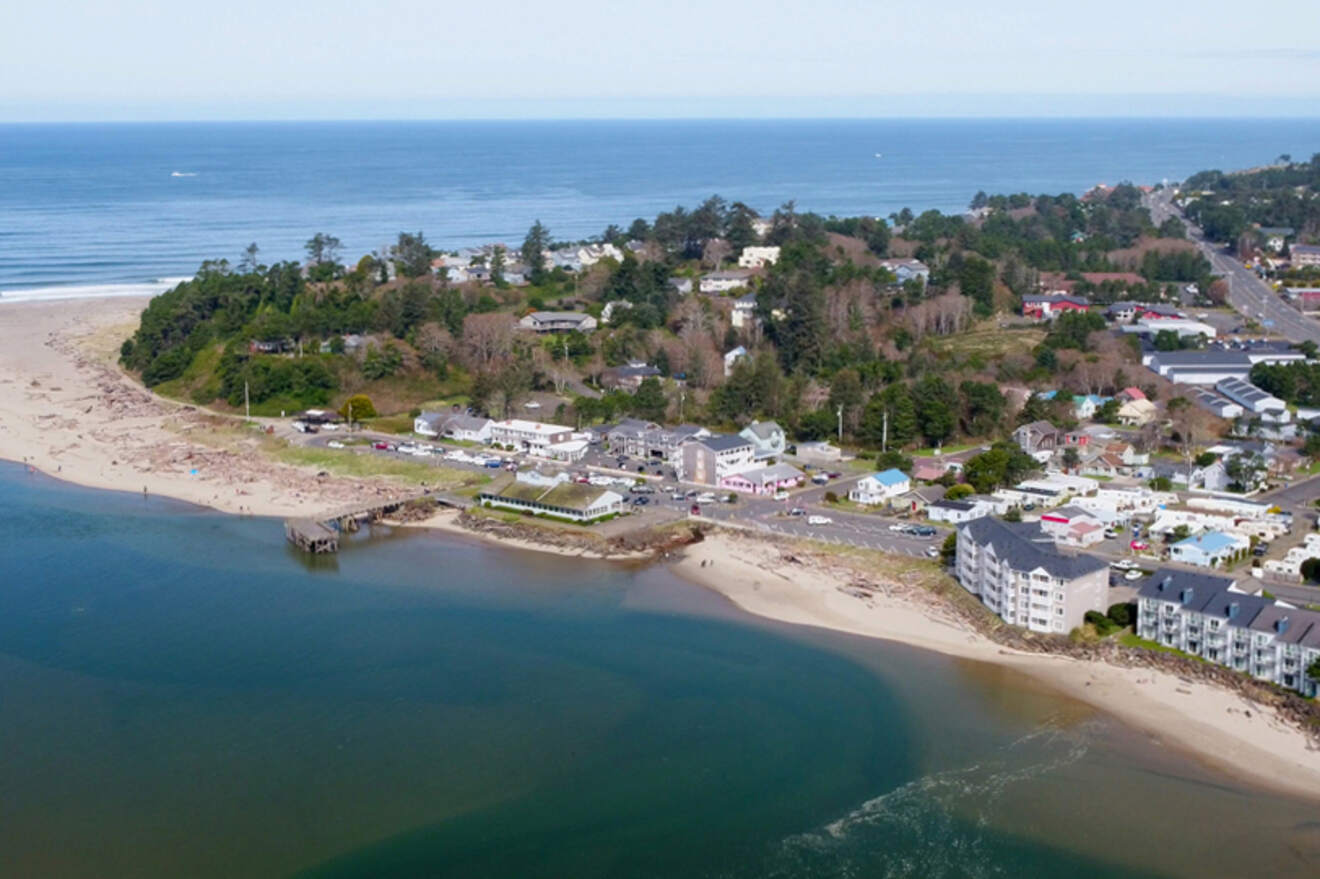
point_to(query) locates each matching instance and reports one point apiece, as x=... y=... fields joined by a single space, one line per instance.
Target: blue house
x=1209 y=550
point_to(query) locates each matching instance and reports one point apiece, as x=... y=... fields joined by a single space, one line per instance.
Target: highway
x=1247 y=293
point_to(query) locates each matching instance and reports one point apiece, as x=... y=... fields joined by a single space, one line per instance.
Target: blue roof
x=1046 y=395
x=1209 y=542
x=890 y=477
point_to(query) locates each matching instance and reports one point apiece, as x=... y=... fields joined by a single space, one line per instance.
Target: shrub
x=1121 y=614
x=958 y=492
x=831 y=497
x=359 y=405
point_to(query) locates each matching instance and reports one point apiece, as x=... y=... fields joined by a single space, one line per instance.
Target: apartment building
x=1015 y=569
x=1212 y=617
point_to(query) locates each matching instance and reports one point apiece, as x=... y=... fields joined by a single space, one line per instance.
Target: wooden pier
x=321 y=535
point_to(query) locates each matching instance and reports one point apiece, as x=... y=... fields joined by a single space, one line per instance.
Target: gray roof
x=723 y=442
x=1026 y=548
x=1205 y=359
x=961 y=506
x=1204 y=593
x=1242 y=391
x=764 y=429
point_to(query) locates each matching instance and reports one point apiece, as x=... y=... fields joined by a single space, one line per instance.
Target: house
x=1212 y=617
x=1137 y=413
x=708 y=460
x=1039 y=439
x=594 y=253
x=905 y=270
x=1048 y=307
x=919 y=499
x=1019 y=574
x=629 y=377
x=558 y=322
x=682 y=286
x=767 y=437
x=558 y=496
x=764 y=480
x=1122 y=312
x=454 y=425
x=1209 y=550
x=957 y=512
x=880 y=488
x=1276 y=236
x=723 y=282
x=925 y=471
x=1127 y=395
x=1072 y=525
x=614 y=305
x=1086 y=405
x=1304 y=255
x=744 y=311
x=821 y=452
x=528 y=436
x=732 y=357
x=566 y=259
x=757 y=257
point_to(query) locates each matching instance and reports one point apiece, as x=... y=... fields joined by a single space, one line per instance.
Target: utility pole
x=840 y=423
x=247 y=406
x=884 y=434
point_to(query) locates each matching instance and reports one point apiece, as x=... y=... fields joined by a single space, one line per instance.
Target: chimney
x=1281 y=625
x=1187 y=595
x=1167 y=582
x=1233 y=609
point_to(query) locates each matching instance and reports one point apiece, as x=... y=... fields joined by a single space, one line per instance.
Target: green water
x=181 y=695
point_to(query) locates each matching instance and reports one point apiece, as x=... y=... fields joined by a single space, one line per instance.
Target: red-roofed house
x=1047 y=307
x=1127 y=395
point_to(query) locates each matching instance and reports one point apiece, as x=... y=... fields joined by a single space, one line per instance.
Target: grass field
x=344 y=462
x=986 y=342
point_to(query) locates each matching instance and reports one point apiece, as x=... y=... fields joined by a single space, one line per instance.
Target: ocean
x=181 y=694
x=125 y=209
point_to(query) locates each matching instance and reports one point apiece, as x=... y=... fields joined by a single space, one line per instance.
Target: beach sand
x=67 y=409
x=1215 y=725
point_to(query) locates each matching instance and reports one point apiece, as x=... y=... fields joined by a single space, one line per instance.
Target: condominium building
x=1212 y=617
x=1015 y=569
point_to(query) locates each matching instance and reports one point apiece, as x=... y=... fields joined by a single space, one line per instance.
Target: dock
x=321 y=534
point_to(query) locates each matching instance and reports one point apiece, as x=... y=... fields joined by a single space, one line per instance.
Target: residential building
x=644 y=439
x=558 y=322
x=1127 y=395
x=821 y=452
x=757 y=257
x=1071 y=525
x=905 y=270
x=1210 y=550
x=683 y=286
x=929 y=471
x=557 y=496
x=629 y=377
x=1019 y=574
x=1048 y=307
x=1276 y=236
x=1212 y=617
x=732 y=357
x=594 y=253
x=1039 y=439
x=708 y=460
x=767 y=437
x=454 y=425
x=1304 y=255
x=613 y=307
x=764 y=480
x=723 y=282
x=918 y=500
x=528 y=436
x=881 y=487
x=744 y=311
x=1137 y=413
x=957 y=512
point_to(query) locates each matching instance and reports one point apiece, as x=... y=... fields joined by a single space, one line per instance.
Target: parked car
x=820 y=479
x=1133 y=574
x=384 y=447
x=1139 y=545
x=1110 y=534
x=781 y=495
x=819 y=520
x=696 y=510
x=493 y=464
x=932 y=552
x=335 y=444
x=677 y=496
x=797 y=511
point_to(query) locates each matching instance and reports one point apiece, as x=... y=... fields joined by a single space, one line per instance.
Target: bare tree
x=487 y=338
x=715 y=251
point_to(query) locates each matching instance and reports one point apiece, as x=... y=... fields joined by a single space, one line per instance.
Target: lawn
x=1131 y=639
x=987 y=342
x=946 y=450
x=344 y=462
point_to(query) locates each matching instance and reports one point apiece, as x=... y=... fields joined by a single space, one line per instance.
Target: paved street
x=1246 y=292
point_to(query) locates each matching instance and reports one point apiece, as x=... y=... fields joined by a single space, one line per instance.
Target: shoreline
x=1218 y=727
x=67 y=410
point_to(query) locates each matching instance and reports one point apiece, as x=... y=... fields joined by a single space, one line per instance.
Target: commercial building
x=557 y=495
x=764 y=480
x=708 y=460
x=1304 y=255
x=1209 y=550
x=528 y=436
x=1019 y=574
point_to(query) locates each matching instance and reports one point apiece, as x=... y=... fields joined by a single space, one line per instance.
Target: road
x=1247 y=293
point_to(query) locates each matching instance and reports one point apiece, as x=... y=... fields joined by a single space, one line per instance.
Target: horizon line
x=978 y=117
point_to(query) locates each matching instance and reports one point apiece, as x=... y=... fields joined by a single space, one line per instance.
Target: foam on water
x=89 y=291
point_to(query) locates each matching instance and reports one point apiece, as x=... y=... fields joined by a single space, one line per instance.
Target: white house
x=529 y=436
x=1136 y=413
x=957 y=512
x=744 y=311
x=1208 y=550
x=594 y=253
x=558 y=322
x=1072 y=525
x=723 y=282
x=907 y=269
x=732 y=357
x=613 y=306
x=756 y=257
x=880 y=488
x=767 y=436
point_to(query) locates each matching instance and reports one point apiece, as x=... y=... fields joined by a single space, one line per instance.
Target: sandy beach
x=1217 y=726
x=66 y=409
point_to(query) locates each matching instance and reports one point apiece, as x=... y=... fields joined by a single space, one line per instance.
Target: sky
x=62 y=60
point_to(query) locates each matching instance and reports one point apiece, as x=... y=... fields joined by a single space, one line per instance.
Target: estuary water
x=114 y=209
x=183 y=695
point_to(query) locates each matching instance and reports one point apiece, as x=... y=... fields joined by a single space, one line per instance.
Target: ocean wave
x=932 y=826
x=90 y=291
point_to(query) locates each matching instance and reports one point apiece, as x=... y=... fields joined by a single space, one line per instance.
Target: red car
x=1139 y=545
x=384 y=447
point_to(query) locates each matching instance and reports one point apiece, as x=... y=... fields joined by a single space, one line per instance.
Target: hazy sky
x=250 y=59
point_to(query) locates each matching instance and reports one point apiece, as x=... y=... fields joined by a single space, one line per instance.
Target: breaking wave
x=89 y=291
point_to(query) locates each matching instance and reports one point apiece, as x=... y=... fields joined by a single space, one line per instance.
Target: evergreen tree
x=649 y=402
x=533 y=250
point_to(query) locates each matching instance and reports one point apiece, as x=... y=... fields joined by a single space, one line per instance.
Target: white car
x=819 y=520
x=1133 y=574
x=899 y=527
x=1123 y=564
x=335 y=444
x=781 y=495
